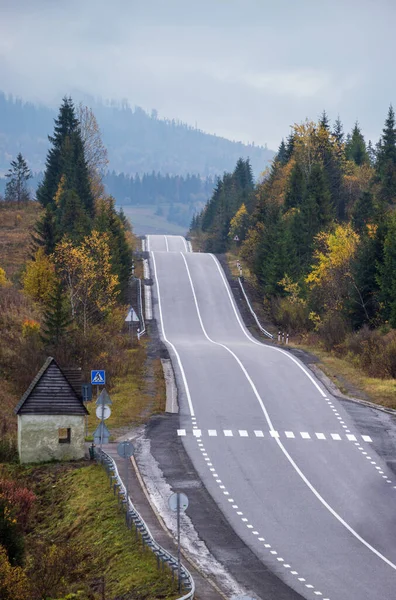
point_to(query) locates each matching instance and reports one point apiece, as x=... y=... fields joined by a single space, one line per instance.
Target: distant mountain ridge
x=137 y=142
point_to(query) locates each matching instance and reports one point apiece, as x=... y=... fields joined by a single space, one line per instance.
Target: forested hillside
x=318 y=235
x=137 y=142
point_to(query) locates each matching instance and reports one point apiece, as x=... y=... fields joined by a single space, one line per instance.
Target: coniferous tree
x=46 y=232
x=66 y=159
x=281 y=155
x=317 y=211
x=355 y=149
x=371 y=153
x=363 y=212
x=56 y=318
x=18 y=175
x=338 y=131
x=296 y=189
x=386 y=160
x=65 y=126
x=289 y=147
x=324 y=121
x=386 y=276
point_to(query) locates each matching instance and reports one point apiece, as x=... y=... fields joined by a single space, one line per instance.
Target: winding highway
x=295 y=478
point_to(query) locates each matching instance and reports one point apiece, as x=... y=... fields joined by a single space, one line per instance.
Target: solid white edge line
x=166 y=243
x=190 y=404
x=184 y=241
x=278 y=441
x=255 y=341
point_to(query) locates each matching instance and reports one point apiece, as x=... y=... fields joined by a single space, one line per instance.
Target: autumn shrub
x=51 y=567
x=373 y=352
x=332 y=329
x=19 y=498
x=14 y=583
x=293 y=317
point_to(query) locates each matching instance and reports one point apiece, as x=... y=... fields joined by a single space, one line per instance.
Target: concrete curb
x=166 y=530
x=172 y=405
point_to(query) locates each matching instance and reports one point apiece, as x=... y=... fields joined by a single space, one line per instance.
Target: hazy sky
x=245 y=69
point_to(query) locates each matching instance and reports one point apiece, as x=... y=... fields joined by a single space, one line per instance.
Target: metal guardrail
x=141 y=528
x=267 y=333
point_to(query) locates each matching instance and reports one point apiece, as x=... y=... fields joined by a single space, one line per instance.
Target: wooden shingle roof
x=50 y=393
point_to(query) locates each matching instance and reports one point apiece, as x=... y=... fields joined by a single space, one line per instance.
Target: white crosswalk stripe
x=272 y=433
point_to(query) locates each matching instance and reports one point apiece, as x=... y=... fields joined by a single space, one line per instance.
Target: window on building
x=64 y=435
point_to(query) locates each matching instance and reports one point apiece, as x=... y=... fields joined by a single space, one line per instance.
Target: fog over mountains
x=137 y=142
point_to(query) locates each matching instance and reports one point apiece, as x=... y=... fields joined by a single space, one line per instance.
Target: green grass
x=342 y=372
x=135 y=397
x=77 y=509
x=145 y=221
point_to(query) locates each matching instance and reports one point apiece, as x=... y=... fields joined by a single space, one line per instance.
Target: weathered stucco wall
x=38 y=437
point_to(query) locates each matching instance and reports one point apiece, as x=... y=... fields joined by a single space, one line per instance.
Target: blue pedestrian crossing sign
x=98 y=377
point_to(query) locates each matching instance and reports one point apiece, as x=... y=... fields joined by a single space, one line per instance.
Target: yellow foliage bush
x=39 y=278
x=14 y=584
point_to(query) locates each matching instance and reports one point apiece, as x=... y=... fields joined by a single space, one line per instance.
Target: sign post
x=178 y=502
x=102 y=402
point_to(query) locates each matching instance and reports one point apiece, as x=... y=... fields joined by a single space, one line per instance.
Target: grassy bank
x=136 y=395
x=343 y=370
x=77 y=538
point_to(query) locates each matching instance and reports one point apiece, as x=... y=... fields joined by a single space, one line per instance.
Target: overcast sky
x=244 y=69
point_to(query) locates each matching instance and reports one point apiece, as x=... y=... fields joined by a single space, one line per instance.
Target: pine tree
x=296 y=189
x=386 y=276
x=324 y=121
x=18 y=176
x=108 y=221
x=66 y=158
x=46 y=233
x=281 y=154
x=72 y=218
x=372 y=155
x=355 y=149
x=317 y=211
x=386 y=160
x=338 y=131
x=289 y=147
x=363 y=212
x=56 y=318
x=65 y=126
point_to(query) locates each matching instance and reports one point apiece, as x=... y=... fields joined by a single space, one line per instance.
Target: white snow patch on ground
x=159 y=491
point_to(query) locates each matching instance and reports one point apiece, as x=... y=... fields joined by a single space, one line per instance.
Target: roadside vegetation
x=65 y=266
x=64 y=537
x=317 y=240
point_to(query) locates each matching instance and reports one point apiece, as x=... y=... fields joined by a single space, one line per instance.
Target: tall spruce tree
x=56 y=318
x=18 y=175
x=338 y=131
x=296 y=188
x=46 y=232
x=281 y=155
x=386 y=160
x=355 y=149
x=324 y=121
x=66 y=158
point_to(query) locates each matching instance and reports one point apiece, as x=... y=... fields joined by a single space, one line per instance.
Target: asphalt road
x=282 y=459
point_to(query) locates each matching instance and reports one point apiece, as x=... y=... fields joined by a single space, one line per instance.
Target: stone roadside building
x=51 y=417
